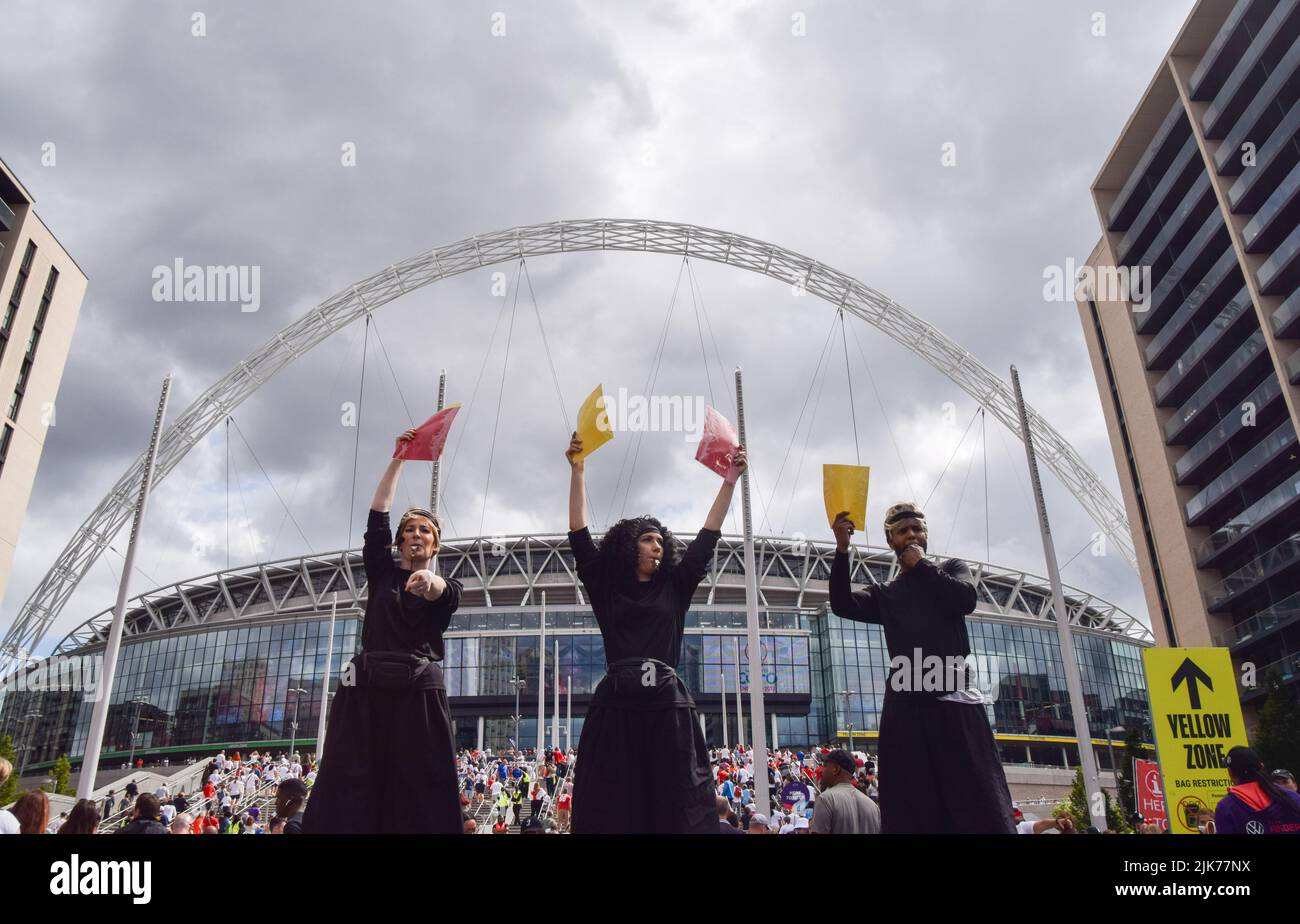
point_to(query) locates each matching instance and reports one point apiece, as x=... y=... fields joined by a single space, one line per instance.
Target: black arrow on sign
x=1189 y=672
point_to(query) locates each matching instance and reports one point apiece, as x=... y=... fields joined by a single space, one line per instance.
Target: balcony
x=1211 y=295
x=1285 y=669
x=1206 y=458
x=1228 y=47
x=1168 y=139
x=1261 y=463
x=1293 y=368
x=1273 y=161
x=1240 y=373
x=1261 y=116
x=1269 y=45
x=1281 y=272
x=1201 y=254
x=1275 y=617
x=7 y=218
x=1286 y=319
x=1223 y=335
x=1282 y=501
x=1276 y=217
x=1182 y=191
x=1278 y=561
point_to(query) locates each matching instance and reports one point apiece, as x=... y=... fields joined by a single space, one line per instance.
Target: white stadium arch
x=840 y=289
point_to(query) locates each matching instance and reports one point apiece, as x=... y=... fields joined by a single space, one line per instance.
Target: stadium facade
x=234 y=659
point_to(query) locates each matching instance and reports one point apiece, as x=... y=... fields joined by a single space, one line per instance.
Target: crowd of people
x=228 y=801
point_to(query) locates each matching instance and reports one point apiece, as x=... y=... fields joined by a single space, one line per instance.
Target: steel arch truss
x=840 y=289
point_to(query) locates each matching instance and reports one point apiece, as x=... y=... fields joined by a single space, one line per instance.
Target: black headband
x=897 y=515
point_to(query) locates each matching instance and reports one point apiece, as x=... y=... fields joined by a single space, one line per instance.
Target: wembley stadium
x=234 y=659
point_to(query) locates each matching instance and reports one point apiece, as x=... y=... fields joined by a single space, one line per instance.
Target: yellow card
x=844 y=487
x=593 y=423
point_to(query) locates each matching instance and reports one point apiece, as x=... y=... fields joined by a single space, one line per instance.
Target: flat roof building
x=41 y=288
x=1191 y=312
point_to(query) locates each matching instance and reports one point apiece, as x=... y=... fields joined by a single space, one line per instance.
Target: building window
x=33 y=341
x=16 y=297
x=5 y=437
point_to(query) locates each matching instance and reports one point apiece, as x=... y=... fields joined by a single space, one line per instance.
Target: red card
x=718 y=446
x=430 y=437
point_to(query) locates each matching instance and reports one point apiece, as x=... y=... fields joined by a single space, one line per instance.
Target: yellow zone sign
x=1196 y=715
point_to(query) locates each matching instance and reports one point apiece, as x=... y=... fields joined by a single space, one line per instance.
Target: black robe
x=939 y=766
x=390 y=766
x=642 y=765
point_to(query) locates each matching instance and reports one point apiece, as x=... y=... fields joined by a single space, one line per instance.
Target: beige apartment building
x=1197 y=357
x=41 y=289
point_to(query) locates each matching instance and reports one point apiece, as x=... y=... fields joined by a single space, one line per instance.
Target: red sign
x=430 y=437
x=1150 y=793
x=718 y=446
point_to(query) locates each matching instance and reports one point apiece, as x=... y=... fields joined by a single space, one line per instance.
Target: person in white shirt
x=250 y=785
x=161 y=793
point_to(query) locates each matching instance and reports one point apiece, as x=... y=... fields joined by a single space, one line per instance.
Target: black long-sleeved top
x=397 y=620
x=643 y=619
x=922 y=608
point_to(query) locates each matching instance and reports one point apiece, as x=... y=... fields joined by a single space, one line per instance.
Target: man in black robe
x=939 y=766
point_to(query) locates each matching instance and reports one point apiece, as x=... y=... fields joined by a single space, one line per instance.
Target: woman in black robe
x=643 y=766
x=391 y=763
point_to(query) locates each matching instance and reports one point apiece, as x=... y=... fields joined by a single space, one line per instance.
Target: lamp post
x=848 y=714
x=518 y=683
x=138 y=702
x=293 y=739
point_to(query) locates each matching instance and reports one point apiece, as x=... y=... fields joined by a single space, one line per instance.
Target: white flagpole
x=757 y=711
x=99 y=715
x=1073 y=682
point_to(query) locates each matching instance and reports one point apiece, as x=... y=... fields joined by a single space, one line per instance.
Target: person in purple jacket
x=1255 y=804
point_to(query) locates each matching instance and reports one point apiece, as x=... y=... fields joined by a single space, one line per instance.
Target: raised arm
x=722 y=503
x=577 y=484
x=387 y=489
x=859 y=606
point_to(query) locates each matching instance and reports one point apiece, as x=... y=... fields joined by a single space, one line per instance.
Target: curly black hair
x=618 y=548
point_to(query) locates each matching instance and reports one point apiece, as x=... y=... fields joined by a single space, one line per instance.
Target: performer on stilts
x=391 y=762
x=939 y=766
x=642 y=717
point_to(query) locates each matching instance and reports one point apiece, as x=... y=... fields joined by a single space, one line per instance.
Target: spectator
x=109 y=805
x=758 y=824
x=724 y=812
x=181 y=803
x=32 y=810
x=168 y=813
x=144 y=820
x=182 y=824
x=563 y=805
x=54 y=826
x=531 y=826
x=290 y=800
x=1284 y=779
x=842 y=808
x=1255 y=804
x=470 y=825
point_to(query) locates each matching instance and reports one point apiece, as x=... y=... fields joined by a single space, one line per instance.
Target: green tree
x=9 y=789
x=1277 y=737
x=1115 y=819
x=62 y=774
x=1076 y=803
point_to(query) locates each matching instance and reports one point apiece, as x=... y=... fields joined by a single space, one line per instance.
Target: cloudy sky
x=817 y=126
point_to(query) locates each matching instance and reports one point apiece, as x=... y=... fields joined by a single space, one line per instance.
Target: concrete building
x=41 y=288
x=1191 y=313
